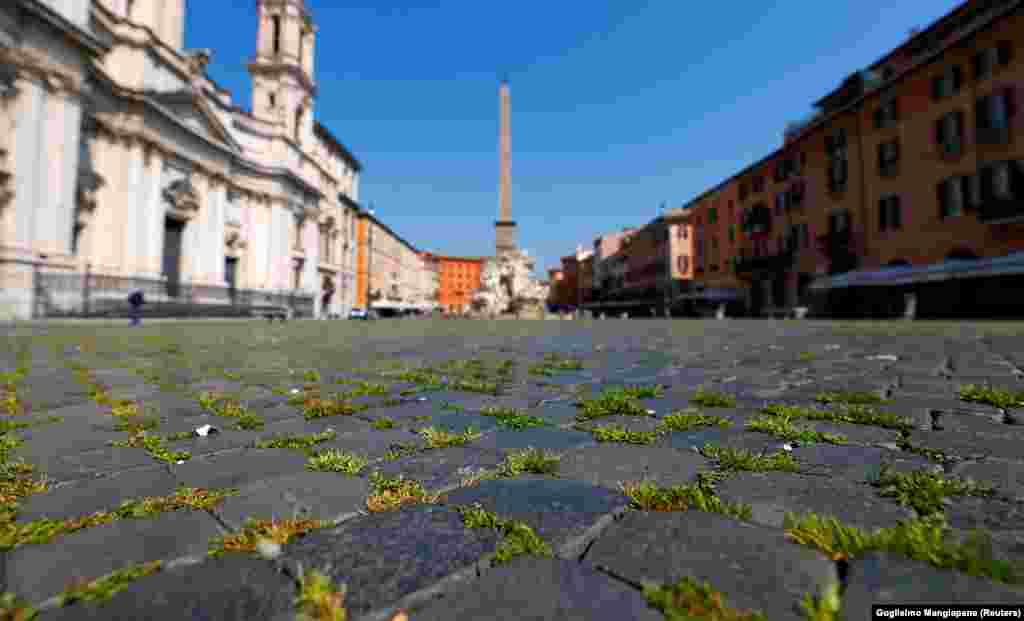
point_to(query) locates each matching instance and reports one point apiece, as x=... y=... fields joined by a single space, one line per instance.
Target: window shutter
x=881 y=214
x=896 y=150
x=979 y=64
x=1004 y=52
x=878 y=118
x=940 y=132
x=937 y=87
x=960 y=126
x=957 y=78
x=1010 y=101
x=896 y=219
x=941 y=195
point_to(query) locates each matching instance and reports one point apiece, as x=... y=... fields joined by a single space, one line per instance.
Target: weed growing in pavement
x=254 y=531
x=924 y=491
x=845 y=413
x=399 y=450
x=454 y=407
x=393 y=492
x=807 y=356
x=849 y=398
x=554 y=364
x=334 y=460
x=518 y=538
x=784 y=429
x=929 y=539
x=689 y=599
x=439 y=438
x=618 y=433
x=529 y=460
x=612 y=402
x=319 y=599
x=14 y=534
x=137 y=424
x=383 y=424
x=736 y=460
x=365 y=389
x=934 y=455
x=475 y=385
x=828 y=606
x=686 y=420
x=311 y=376
x=711 y=399
x=513 y=418
x=13 y=608
x=990 y=395
x=315 y=407
x=390 y=403
x=154 y=445
x=302 y=443
x=701 y=496
x=104 y=588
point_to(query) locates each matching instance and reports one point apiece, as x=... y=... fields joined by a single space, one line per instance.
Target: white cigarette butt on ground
x=268 y=549
x=205 y=430
x=295 y=391
x=179 y=462
x=787 y=447
x=650 y=411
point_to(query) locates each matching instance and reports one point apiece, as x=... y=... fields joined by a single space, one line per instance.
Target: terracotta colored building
x=460 y=278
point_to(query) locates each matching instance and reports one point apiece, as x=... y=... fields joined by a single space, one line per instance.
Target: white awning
x=1010 y=264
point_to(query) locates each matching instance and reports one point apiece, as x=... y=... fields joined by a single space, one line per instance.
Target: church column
x=151 y=216
x=29 y=161
x=131 y=202
x=215 y=228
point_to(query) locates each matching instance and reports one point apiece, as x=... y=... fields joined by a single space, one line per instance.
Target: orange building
x=460 y=278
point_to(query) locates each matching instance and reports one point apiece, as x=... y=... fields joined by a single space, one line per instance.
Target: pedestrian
x=136 y=299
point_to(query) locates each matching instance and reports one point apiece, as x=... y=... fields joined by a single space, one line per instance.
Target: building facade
x=124 y=166
x=902 y=194
x=392 y=275
x=460 y=279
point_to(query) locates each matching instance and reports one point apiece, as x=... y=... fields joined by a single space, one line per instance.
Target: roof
x=388 y=230
x=336 y=146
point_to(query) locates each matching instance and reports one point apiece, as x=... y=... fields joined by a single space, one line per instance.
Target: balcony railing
x=994 y=211
x=993 y=135
x=70 y=294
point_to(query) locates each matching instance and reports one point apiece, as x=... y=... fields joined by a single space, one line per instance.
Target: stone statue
x=507 y=287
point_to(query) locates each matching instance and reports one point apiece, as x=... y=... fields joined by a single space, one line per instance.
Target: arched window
x=276 y=26
x=299 y=117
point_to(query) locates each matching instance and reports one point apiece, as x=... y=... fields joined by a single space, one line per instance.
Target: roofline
x=93 y=44
x=365 y=213
x=825 y=118
x=321 y=130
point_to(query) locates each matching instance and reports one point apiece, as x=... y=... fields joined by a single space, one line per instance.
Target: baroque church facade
x=123 y=166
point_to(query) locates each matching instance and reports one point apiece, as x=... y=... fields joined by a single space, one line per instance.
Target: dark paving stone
x=542 y=438
x=752 y=566
x=457 y=422
x=558 y=510
x=772 y=495
x=226 y=439
x=238 y=468
x=1006 y=476
x=36 y=572
x=984 y=513
x=98 y=462
x=979 y=424
x=541 y=590
x=403 y=413
x=313 y=495
x=855 y=463
x=384 y=557
x=103 y=494
x=438 y=468
x=859 y=434
x=969 y=446
x=608 y=465
x=733 y=437
x=228 y=588
x=372 y=443
x=883 y=579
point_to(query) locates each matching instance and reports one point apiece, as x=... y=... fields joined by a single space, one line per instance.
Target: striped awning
x=1011 y=264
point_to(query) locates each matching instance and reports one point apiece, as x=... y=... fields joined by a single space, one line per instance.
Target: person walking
x=136 y=300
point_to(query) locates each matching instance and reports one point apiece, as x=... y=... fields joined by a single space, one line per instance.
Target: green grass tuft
x=924 y=491
x=711 y=399
x=990 y=395
x=334 y=460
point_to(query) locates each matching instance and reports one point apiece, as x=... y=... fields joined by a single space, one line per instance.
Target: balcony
x=758 y=220
x=993 y=135
x=769 y=263
x=1006 y=211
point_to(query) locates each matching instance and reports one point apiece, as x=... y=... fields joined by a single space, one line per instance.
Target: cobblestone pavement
x=509 y=470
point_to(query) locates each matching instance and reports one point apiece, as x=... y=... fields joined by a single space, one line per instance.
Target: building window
x=947 y=84
x=889 y=216
x=276 y=27
x=997 y=182
x=272 y=99
x=836 y=150
x=949 y=132
x=953 y=196
x=887 y=114
x=744 y=191
x=987 y=61
x=992 y=116
x=714 y=254
x=758 y=184
x=780 y=202
x=839 y=221
x=732 y=233
x=76 y=237
x=805 y=235
x=888 y=158
x=712 y=215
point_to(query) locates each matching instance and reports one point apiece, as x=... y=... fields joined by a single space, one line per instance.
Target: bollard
x=720 y=312
x=910 y=306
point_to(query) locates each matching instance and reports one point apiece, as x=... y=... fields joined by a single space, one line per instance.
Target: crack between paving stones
x=437 y=590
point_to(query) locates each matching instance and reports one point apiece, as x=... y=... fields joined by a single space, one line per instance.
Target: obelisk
x=505 y=227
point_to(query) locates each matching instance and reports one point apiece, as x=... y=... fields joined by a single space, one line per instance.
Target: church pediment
x=195 y=114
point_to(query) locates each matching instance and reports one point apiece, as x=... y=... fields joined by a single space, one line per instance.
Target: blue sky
x=617 y=105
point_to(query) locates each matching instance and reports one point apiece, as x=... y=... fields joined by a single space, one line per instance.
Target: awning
x=1011 y=264
x=724 y=295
